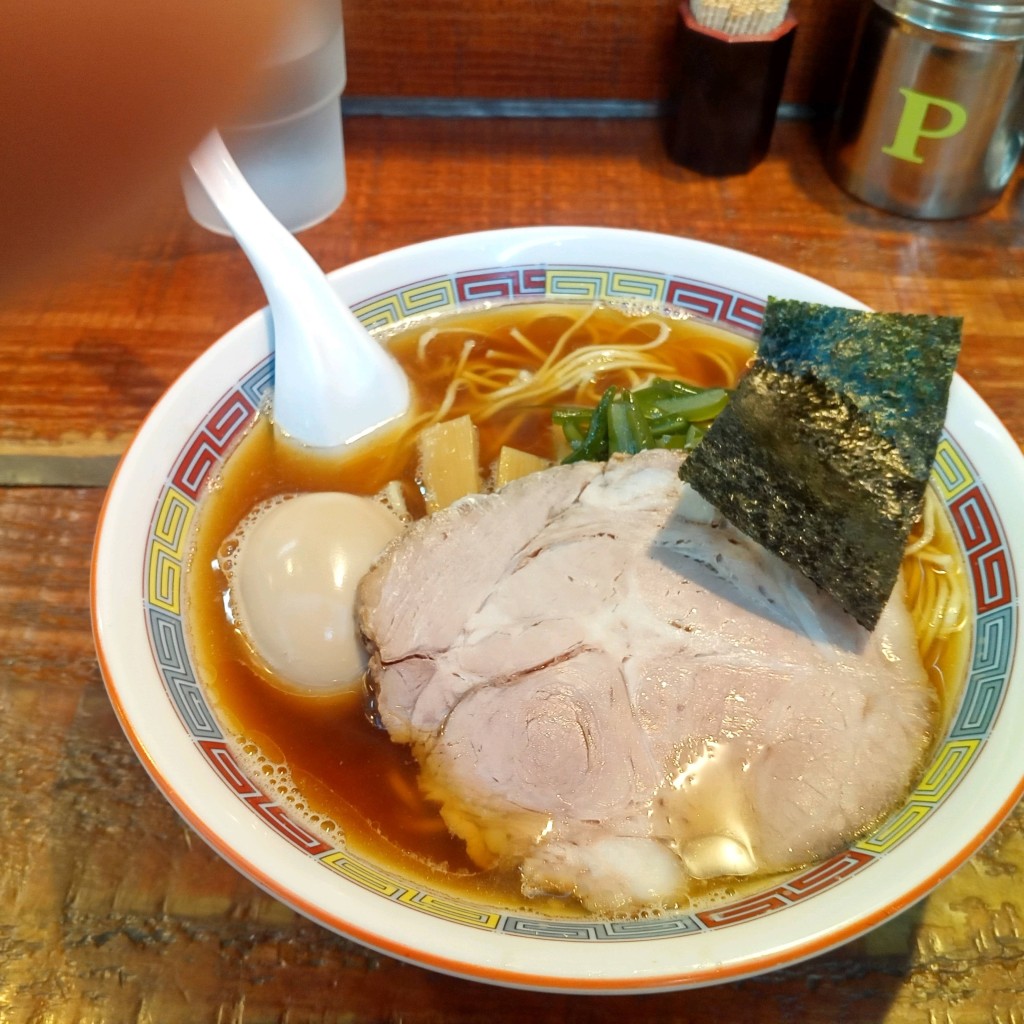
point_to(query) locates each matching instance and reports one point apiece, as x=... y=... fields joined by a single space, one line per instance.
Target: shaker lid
x=979 y=19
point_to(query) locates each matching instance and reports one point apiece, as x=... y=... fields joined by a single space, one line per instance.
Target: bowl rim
x=718 y=968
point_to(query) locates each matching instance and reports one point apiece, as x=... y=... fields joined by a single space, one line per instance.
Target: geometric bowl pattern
x=976 y=525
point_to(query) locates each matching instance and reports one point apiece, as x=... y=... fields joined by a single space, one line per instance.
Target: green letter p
x=911 y=125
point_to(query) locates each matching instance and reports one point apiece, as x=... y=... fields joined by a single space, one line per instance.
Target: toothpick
x=740 y=17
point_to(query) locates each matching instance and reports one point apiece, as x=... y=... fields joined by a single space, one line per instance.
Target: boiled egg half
x=293 y=566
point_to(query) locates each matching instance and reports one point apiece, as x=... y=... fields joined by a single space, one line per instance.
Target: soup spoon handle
x=333 y=382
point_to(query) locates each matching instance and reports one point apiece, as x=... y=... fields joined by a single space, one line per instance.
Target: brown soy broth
x=338 y=770
x=322 y=755
x=698 y=352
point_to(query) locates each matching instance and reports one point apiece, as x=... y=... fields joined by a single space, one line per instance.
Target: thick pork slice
x=608 y=686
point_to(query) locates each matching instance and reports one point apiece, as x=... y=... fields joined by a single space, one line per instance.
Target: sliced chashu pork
x=607 y=685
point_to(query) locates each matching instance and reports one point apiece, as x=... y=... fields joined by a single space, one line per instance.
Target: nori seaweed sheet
x=824 y=451
x=895 y=367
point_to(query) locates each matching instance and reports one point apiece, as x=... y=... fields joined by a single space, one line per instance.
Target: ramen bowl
x=140 y=569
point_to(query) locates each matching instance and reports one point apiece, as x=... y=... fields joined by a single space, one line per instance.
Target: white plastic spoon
x=333 y=383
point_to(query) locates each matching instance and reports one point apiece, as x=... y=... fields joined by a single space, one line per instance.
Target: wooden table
x=111 y=910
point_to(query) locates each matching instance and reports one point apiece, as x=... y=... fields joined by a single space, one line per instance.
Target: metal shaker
x=931 y=121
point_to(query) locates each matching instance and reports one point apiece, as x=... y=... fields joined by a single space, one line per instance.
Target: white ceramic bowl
x=140 y=560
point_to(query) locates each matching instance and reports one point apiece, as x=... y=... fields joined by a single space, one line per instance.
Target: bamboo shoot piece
x=514 y=463
x=449 y=462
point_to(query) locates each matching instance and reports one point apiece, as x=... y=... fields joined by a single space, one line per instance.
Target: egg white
x=292 y=575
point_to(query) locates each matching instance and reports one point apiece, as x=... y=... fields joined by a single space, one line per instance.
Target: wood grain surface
x=87 y=358
x=574 y=49
x=111 y=910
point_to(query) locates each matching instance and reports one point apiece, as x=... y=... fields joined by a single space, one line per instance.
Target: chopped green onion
x=662 y=414
x=594 y=447
x=703 y=406
x=573 y=434
x=694 y=436
x=620 y=437
x=571 y=414
x=675 y=441
x=638 y=422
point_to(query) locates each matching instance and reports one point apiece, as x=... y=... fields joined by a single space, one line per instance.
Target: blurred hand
x=100 y=102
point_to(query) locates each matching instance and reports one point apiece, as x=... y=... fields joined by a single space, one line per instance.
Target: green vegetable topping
x=663 y=414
